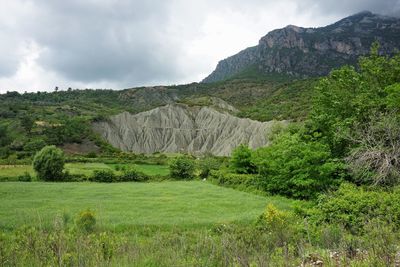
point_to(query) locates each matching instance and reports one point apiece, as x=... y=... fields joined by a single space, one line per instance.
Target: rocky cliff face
x=180 y=128
x=314 y=51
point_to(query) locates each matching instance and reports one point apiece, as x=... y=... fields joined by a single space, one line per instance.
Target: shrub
x=133 y=175
x=353 y=207
x=182 y=168
x=86 y=221
x=26 y=177
x=234 y=180
x=34 y=145
x=49 y=164
x=104 y=176
x=281 y=226
x=242 y=161
x=274 y=219
x=206 y=165
x=297 y=168
x=69 y=177
x=91 y=155
x=375 y=159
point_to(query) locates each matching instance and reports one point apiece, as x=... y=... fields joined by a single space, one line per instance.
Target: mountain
x=177 y=128
x=305 y=52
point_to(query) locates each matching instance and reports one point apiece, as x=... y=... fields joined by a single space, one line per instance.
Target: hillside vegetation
x=323 y=192
x=30 y=121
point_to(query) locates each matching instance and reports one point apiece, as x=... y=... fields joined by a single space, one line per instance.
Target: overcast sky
x=119 y=43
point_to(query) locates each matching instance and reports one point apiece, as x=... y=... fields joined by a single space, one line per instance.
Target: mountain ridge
x=309 y=52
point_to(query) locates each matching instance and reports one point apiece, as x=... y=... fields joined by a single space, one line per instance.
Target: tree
x=27 y=123
x=242 y=161
x=49 y=164
x=297 y=168
x=182 y=168
x=5 y=138
x=347 y=97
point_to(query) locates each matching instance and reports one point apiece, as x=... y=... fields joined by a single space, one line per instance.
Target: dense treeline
x=352 y=134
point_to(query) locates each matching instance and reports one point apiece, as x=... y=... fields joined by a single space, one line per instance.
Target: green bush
x=281 y=225
x=182 y=168
x=104 y=176
x=234 y=180
x=297 y=168
x=69 y=177
x=34 y=145
x=26 y=177
x=242 y=160
x=86 y=221
x=133 y=175
x=49 y=164
x=353 y=207
x=207 y=164
x=91 y=155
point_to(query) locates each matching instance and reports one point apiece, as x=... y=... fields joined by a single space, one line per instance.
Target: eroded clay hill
x=181 y=128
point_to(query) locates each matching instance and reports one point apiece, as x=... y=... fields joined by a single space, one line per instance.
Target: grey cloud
x=9 y=52
x=9 y=58
x=91 y=42
x=134 y=42
x=349 y=7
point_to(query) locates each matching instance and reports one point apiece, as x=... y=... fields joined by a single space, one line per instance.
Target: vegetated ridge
x=305 y=52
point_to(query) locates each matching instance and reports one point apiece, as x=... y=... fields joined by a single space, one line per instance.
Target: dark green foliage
x=393 y=97
x=297 y=168
x=242 y=161
x=104 y=176
x=133 y=175
x=34 y=145
x=49 y=164
x=182 y=168
x=27 y=122
x=5 y=137
x=353 y=207
x=91 y=155
x=75 y=177
x=86 y=221
x=347 y=97
x=26 y=177
x=207 y=164
x=70 y=130
x=234 y=180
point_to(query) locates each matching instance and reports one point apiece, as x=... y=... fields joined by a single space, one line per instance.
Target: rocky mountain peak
x=307 y=52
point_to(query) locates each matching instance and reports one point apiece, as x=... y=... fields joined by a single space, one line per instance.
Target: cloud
x=346 y=7
x=124 y=43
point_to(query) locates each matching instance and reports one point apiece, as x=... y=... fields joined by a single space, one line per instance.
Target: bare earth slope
x=180 y=128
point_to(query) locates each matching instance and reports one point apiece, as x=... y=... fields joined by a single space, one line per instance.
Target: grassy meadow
x=121 y=205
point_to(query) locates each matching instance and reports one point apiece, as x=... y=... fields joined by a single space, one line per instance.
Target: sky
x=126 y=43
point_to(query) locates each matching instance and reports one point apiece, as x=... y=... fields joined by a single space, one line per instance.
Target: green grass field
x=123 y=205
x=11 y=171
